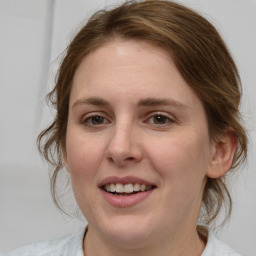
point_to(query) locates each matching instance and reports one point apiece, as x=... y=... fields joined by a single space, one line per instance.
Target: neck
x=188 y=244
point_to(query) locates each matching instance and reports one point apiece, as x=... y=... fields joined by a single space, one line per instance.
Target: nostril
x=130 y=158
x=123 y=155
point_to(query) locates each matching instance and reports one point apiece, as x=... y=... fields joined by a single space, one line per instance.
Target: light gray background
x=32 y=35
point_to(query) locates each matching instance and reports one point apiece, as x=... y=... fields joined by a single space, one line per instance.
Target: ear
x=223 y=154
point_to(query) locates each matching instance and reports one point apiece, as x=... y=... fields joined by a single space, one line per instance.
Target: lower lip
x=125 y=201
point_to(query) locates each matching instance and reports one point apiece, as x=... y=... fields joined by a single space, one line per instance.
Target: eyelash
x=167 y=119
x=89 y=121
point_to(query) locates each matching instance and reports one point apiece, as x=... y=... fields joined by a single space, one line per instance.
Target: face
x=137 y=144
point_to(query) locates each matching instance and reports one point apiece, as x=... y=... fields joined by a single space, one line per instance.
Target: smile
x=126 y=189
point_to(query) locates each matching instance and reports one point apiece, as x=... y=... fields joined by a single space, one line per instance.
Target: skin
x=127 y=139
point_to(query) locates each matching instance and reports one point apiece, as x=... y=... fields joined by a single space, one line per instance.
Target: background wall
x=33 y=33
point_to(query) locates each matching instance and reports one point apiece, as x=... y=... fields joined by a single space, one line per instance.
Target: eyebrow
x=147 y=102
x=91 y=101
x=161 y=102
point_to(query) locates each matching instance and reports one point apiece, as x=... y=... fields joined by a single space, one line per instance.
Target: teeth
x=107 y=187
x=127 y=188
x=112 y=188
x=119 y=188
x=136 y=187
x=148 y=187
x=142 y=187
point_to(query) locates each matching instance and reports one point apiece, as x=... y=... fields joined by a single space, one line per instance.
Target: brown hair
x=200 y=56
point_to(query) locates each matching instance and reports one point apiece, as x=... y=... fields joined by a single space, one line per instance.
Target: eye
x=159 y=119
x=95 y=120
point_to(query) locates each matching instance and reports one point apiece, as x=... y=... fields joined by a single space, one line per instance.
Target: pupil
x=160 y=119
x=97 y=120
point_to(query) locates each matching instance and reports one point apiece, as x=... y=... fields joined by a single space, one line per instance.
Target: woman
x=147 y=126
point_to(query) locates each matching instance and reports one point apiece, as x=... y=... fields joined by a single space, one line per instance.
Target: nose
x=124 y=146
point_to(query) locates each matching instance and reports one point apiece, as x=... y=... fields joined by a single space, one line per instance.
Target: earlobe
x=223 y=154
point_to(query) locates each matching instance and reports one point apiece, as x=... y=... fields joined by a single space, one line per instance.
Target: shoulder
x=215 y=247
x=69 y=245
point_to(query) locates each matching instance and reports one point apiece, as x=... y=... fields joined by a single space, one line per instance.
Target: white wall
x=33 y=33
x=26 y=209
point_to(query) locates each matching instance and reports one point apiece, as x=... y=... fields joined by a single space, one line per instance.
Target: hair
x=201 y=57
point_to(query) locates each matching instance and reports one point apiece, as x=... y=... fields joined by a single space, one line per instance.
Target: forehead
x=130 y=68
x=125 y=52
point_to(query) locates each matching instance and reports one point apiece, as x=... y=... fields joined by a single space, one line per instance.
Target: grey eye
x=95 y=120
x=160 y=119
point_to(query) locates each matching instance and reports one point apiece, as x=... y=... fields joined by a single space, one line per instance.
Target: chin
x=128 y=231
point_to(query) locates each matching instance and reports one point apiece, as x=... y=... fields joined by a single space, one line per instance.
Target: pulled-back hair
x=201 y=57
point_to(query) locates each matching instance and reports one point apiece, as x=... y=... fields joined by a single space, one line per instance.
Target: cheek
x=183 y=159
x=83 y=155
x=182 y=163
x=83 y=160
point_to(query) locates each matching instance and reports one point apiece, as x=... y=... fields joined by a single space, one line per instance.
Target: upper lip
x=124 y=180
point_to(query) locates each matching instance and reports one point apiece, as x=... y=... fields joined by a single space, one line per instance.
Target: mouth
x=128 y=189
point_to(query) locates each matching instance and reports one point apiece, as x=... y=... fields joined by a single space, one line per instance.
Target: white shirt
x=72 y=245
